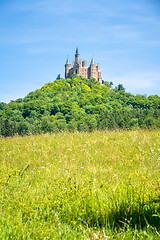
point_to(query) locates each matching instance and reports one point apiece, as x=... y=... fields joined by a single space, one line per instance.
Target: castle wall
x=99 y=78
x=71 y=71
x=93 y=72
x=83 y=71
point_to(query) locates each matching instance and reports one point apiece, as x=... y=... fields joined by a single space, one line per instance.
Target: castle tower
x=92 y=70
x=67 y=68
x=81 y=69
x=77 y=56
x=84 y=63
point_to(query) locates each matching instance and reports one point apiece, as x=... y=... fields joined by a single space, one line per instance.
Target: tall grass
x=81 y=186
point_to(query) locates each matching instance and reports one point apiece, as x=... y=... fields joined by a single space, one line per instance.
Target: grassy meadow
x=100 y=185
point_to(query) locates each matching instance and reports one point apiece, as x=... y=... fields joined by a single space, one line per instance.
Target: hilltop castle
x=81 y=69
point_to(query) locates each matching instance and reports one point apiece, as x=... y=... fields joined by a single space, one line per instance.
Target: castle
x=81 y=69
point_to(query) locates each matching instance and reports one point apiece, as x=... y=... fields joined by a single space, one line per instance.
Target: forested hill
x=78 y=104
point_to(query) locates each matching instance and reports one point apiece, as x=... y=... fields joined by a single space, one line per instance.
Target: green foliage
x=120 y=87
x=83 y=105
x=58 y=77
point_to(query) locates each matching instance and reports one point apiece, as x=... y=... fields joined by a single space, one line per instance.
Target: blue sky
x=37 y=35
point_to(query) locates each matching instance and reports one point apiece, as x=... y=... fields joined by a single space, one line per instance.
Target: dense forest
x=78 y=104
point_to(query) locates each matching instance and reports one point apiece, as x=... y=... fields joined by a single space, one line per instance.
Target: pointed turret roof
x=77 y=50
x=92 y=61
x=67 y=62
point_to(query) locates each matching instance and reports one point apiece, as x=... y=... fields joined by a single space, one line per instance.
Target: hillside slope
x=78 y=104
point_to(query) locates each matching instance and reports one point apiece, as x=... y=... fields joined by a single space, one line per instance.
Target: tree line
x=78 y=104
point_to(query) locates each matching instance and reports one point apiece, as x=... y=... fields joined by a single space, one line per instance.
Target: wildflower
x=19 y=170
x=60 y=161
x=47 y=163
x=65 y=188
x=42 y=167
x=66 y=171
x=32 y=171
x=82 y=167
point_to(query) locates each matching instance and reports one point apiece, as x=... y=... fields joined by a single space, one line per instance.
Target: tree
x=78 y=104
x=58 y=77
x=120 y=87
x=106 y=83
x=110 y=84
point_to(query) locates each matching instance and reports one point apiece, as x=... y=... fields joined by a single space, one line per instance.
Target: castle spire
x=77 y=50
x=67 y=62
x=77 y=56
x=92 y=61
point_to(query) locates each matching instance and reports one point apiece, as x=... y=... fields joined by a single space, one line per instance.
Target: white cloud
x=138 y=82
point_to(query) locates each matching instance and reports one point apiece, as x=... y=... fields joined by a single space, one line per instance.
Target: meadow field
x=99 y=185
